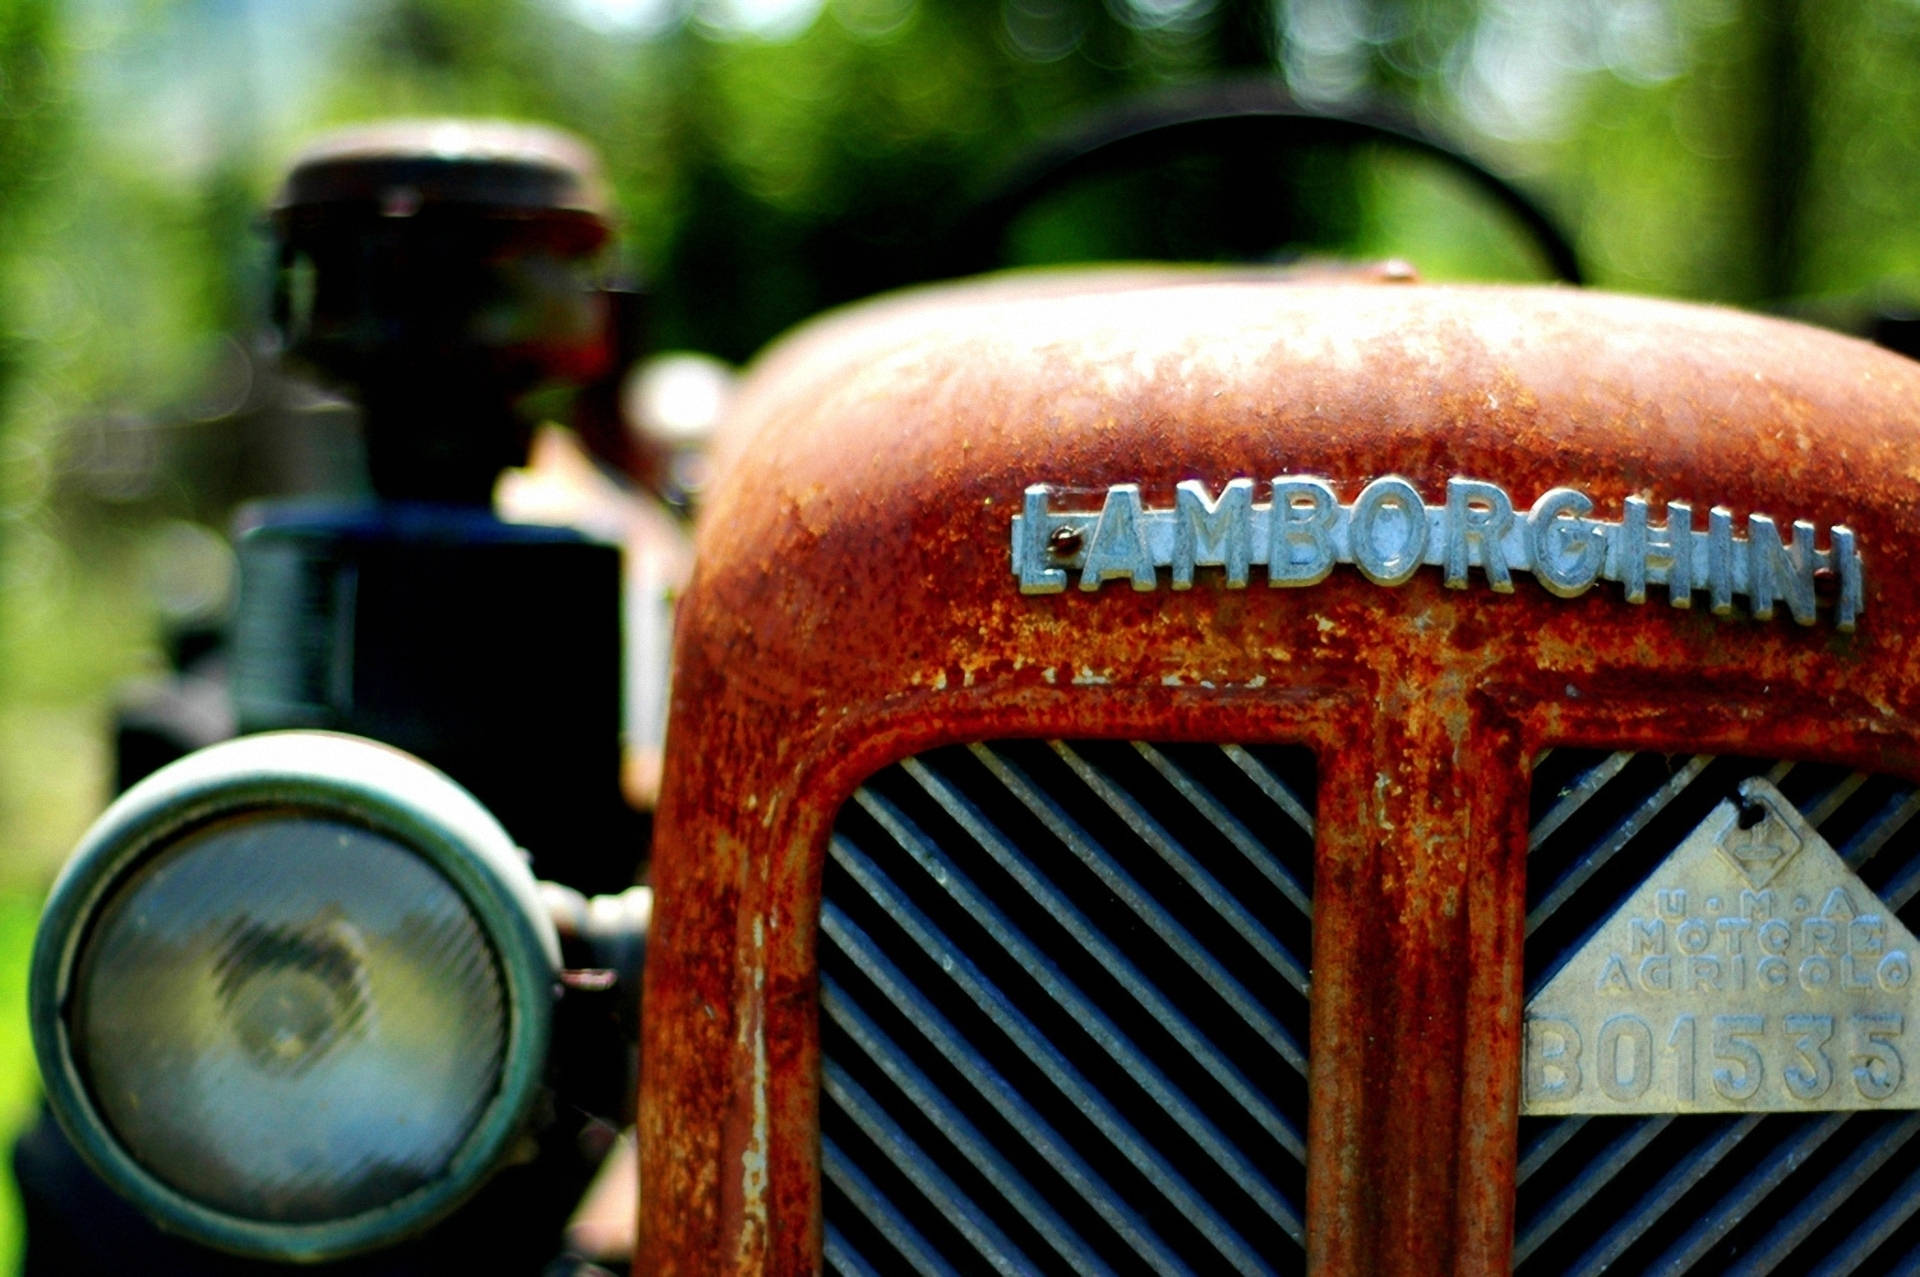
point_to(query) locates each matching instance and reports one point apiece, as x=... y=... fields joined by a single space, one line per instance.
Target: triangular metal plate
x=1752 y=973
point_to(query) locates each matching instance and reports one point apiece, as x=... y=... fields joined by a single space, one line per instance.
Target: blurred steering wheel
x=1243 y=126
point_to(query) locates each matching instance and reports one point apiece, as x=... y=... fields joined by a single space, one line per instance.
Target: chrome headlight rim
x=327 y=776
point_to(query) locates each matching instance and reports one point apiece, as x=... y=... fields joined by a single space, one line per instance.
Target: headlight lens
x=292 y=1018
x=294 y=1000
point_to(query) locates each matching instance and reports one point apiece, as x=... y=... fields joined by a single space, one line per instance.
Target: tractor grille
x=1788 y=1193
x=1063 y=1011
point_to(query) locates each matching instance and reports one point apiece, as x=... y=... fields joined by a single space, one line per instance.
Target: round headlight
x=292 y=995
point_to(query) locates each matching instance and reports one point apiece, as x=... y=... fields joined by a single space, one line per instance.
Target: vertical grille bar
x=1781 y=1193
x=1063 y=996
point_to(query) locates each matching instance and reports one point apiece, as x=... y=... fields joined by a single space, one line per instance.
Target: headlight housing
x=292 y=995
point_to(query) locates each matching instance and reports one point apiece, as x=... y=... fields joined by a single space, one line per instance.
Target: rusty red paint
x=854 y=604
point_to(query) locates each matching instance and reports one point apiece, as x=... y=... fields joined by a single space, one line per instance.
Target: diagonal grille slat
x=1027 y=1124
x=1026 y=970
x=1027 y=1038
x=1097 y=1026
x=1857 y=1172
x=1831 y=802
x=1111 y=958
x=843 y=1258
x=1748 y=1194
x=1874 y=1232
x=1577 y=796
x=986 y=1240
x=1901 y=887
x=902 y=1236
x=953 y=1126
x=1655 y=1201
x=1577 y=1195
x=1221 y=819
x=1225 y=905
x=1546 y=1144
x=1151 y=912
x=1270 y=785
x=1878 y=833
x=1699 y=1194
x=1603 y=851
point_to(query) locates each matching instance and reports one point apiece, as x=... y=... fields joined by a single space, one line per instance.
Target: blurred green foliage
x=19 y=1085
x=774 y=157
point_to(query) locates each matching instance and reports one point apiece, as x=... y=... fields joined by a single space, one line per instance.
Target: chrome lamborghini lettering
x=1388 y=533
